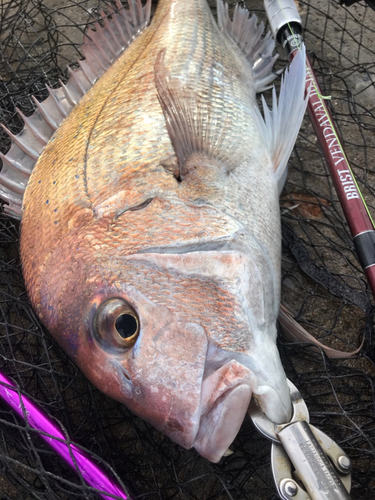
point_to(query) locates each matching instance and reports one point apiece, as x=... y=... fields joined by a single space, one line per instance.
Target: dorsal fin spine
x=26 y=148
x=106 y=36
x=96 y=38
x=74 y=77
x=89 y=73
x=15 y=186
x=128 y=29
x=120 y=8
x=132 y=12
x=39 y=127
x=33 y=129
x=118 y=26
x=68 y=95
x=59 y=107
x=108 y=28
x=18 y=167
x=247 y=34
x=51 y=122
x=94 y=57
x=147 y=13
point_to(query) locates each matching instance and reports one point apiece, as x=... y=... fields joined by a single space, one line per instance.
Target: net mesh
x=322 y=283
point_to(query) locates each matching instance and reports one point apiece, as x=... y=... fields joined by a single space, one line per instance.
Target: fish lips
x=225 y=392
x=225 y=398
x=226 y=395
x=214 y=424
x=218 y=428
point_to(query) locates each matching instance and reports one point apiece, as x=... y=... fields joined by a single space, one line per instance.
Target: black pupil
x=126 y=325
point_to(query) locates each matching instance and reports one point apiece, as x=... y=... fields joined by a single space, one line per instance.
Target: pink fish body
x=150 y=236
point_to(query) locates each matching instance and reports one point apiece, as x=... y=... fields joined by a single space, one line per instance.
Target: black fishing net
x=322 y=284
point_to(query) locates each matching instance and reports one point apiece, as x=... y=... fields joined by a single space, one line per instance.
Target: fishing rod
x=299 y=453
x=80 y=461
x=286 y=27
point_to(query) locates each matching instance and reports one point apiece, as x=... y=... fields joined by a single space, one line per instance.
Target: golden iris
x=116 y=323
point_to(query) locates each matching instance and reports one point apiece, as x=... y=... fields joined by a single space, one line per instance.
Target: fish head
x=219 y=291
x=171 y=335
x=153 y=357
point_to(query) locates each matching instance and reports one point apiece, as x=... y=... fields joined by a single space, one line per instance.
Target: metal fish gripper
x=306 y=463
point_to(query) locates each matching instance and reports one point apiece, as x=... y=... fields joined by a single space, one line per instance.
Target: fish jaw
x=205 y=415
x=226 y=395
x=227 y=392
x=174 y=395
x=203 y=412
x=166 y=369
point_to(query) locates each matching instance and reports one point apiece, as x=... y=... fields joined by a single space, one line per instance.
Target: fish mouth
x=226 y=395
x=225 y=398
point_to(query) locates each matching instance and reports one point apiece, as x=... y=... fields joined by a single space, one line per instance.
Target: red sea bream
x=150 y=235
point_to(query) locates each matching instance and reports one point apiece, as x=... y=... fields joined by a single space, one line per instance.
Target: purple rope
x=75 y=457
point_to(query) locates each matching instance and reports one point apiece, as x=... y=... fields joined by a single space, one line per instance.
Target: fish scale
x=157 y=198
x=183 y=295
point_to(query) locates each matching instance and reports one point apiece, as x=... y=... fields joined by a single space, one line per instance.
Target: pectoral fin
x=192 y=124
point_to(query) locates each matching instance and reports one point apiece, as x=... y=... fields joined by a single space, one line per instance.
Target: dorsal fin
x=248 y=36
x=100 y=48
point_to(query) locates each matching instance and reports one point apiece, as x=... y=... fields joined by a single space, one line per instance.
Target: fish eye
x=116 y=324
x=126 y=325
